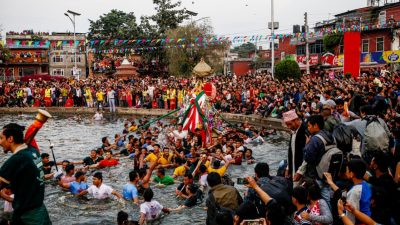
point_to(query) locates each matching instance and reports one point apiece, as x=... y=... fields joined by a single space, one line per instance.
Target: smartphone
x=344 y=197
x=253 y=222
x=242 y=181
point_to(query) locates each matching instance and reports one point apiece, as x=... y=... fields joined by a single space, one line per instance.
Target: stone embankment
x=256 y=120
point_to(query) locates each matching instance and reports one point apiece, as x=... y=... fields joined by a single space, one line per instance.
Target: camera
x=242 y=181
x=344 y=197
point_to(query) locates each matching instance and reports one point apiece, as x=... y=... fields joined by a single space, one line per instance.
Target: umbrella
x=202 y=69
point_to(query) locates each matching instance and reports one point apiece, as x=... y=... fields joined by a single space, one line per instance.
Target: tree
x=168 y=16
x=4 y=52
x=183 y=60
x=287 y=69
x=114 y=25
x=331 y=41
x=244 y=50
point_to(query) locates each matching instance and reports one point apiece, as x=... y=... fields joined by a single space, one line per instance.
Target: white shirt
x=98 y=116
x=203 y=180
x=8 y=205
x=152 y=210
x=102 y=192
x=111 y=94
x=180 y=135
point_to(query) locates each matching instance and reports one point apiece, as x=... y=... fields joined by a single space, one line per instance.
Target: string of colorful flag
x=100 y=43
x=152 y=48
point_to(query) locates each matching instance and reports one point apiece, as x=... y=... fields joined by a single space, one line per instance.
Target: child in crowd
x=150 y=209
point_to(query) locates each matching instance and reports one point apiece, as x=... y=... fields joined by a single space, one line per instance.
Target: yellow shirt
x=64 y=92
x=47 y=93
x=172 y=94
x=151 y=157
x=133 y=128
x=164 y=161
x=180 y=171
x=221 y=171
x=88 y=94
x=99 y=96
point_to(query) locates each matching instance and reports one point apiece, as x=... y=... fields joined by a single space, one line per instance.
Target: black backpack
x=343 y=136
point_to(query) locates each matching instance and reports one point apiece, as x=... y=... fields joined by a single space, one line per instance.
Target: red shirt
x=108 y=163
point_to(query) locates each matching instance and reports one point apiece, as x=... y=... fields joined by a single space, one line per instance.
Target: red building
x=381 y=35
x=241 y=66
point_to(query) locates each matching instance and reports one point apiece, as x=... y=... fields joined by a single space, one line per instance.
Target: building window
x=301 y=50
x=58 y=58
x=365 y=46
x=58 y=72
x=78 y=59
x=379 y=44
x=317 y=47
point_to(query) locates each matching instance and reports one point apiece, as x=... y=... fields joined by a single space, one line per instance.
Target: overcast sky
x=228 y=17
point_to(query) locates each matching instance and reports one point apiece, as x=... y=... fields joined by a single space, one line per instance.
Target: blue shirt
x=76 y=188
x=129 y=191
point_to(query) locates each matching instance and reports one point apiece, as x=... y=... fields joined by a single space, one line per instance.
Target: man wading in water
x=23 y=171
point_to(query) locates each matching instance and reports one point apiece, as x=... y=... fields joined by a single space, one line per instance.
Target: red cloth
x=47 y=101
x=352 y=51
x=172 y=104
x=108 y=163
x=69 y=103
x=31 y=129
x=36 y=103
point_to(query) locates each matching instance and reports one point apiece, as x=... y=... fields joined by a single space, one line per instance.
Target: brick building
x=43 y=53
x=382 y=35
x=28 y=55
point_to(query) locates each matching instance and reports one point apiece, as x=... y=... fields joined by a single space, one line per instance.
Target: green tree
x=114 y=25
x=181 y=61
x=4 y=51
x=331 y=41
x=168 y=15
x=244 y=50
x=287 y=69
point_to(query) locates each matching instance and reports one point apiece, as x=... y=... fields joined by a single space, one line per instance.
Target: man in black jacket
x=296 y=144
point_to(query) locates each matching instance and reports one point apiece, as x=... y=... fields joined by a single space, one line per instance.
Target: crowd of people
x=342 y=167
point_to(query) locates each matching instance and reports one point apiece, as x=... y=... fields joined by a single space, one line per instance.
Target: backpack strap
x=322 y=139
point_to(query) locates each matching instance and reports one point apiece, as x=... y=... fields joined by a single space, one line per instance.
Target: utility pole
x=273 y=40
x=75 y=47
x=307 y=45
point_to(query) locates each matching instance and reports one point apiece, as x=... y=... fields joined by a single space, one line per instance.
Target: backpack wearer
x=375 y=136
x=331 y=161
x=220 y=211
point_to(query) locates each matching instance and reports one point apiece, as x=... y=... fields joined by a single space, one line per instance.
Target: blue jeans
x=326 y=192
x=111 y=101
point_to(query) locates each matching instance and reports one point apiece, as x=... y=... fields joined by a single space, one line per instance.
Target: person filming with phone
x=277 y=187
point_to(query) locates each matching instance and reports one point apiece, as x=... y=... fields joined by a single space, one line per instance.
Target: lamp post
x=273 y=40
x=73 y=23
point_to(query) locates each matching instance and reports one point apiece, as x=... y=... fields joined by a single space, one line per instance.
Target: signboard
x=391 y=56
x=329 y=59
x=313 y=60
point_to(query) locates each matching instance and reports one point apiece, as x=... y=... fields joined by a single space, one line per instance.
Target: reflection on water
x=73 y=139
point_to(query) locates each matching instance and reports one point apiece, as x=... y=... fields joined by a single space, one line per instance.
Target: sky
x=228 y=17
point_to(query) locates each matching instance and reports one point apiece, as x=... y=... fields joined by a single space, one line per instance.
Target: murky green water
x=73 y=140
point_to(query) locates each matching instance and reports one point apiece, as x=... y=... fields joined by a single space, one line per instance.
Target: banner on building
x=329 y=59
x=313 y=60
x=340 y=60
x=352 y=52
x=372 y=57
x=391 y=56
